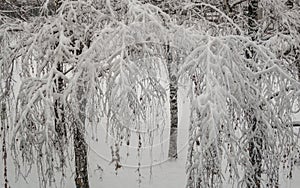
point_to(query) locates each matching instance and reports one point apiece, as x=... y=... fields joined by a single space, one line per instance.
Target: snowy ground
x=162 y=175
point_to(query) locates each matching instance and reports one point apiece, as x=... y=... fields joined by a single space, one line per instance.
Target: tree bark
x=4 y=127
x=173 y=86
x=253 y=18
x=255 y=151
x=80 y=146
x=80 y=149
x=172 y=65
x=255 y=141
x=59 y=111
x=298 y=69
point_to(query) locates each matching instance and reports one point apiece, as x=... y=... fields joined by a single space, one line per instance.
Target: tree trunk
x=80 y=145
x=173 y=86
x=298 y=69
x=4 y=127
x=80 y=148
x=172 y=64
x=255 y=151
x=255 y=141
x=253 y=18
x=60 y=126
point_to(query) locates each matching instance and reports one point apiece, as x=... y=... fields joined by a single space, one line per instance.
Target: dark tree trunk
x=255 y=141
x=60 y=126
x=253 y=18
x=298 y=69
x=59 y=110
x=255 y=151
x=4 y=127
x=173 y=86
x=172 y=64
x=80 y=146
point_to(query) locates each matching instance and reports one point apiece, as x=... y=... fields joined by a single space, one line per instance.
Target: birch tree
x=69 y=75
x=206 y=64
x=50 y=45
x=7 y=65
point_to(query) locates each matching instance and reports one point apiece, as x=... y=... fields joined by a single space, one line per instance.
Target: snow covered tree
x=219 y=108
x=7 y=65
x=227 y=85
x=77 y=65
x=49 y=46
x=84 y=61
